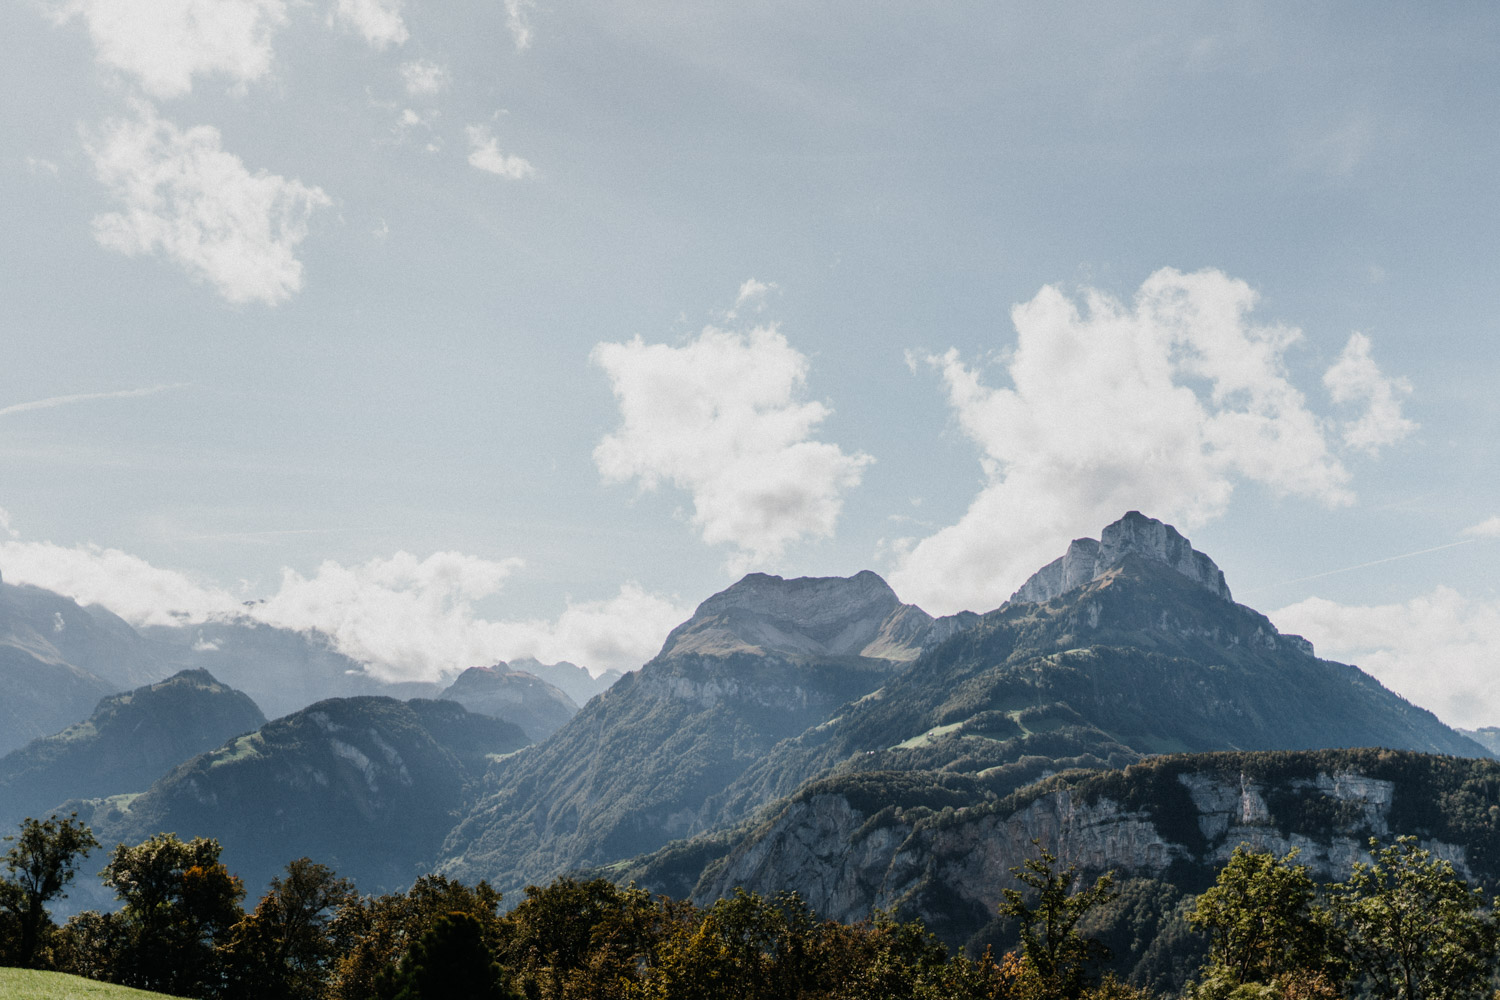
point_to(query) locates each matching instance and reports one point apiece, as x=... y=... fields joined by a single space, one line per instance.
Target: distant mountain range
x=815 y=734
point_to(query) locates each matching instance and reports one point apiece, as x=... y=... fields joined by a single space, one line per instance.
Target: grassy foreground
x=26 y=984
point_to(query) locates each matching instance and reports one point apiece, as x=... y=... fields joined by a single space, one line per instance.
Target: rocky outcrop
x=810 y=617
x=847 y=864
x=1134 y=534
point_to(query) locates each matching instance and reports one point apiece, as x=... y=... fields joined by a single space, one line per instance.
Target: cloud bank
x=406 y=618
x=1438 y=650
x=187 y=198
x=722 y=418
x=1162 y=404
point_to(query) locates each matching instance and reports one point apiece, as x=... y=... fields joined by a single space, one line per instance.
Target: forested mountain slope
x=129 y=741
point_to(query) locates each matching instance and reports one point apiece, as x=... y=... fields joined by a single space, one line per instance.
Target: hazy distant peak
x=1134 y=534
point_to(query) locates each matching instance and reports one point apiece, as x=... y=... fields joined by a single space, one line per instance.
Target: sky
x=470 y=331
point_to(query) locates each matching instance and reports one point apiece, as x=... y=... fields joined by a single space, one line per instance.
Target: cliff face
x=1134 y=534
x=1178 y=817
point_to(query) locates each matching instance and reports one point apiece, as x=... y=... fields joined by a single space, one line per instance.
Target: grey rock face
x=1134 y=534
x=809 y=616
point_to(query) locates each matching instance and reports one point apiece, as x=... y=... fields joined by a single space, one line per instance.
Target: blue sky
x=465 y=331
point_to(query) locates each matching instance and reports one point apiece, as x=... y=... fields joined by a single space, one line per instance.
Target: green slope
x=129 y=741
x=27 y=984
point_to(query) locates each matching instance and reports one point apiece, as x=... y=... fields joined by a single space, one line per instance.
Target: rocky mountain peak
x=1134 y=534
x=824 y=616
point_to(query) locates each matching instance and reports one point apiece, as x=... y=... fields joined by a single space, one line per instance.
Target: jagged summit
x=1134 y=534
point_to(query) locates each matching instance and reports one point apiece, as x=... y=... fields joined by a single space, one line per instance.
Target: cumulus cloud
x=1162 y=404
x=422 y=78
x=518 y=20
x=721 y=417
x=484 y=154
x=163 y=44
x=407 y=618
x=189 y=199
x=1438 y=650
x=1488 y=528
x=1355 y=378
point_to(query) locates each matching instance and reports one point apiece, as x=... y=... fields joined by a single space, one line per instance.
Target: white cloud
x=484 y=154
x=128 y=585
x=1355 y=378
x=1488 y=528
x=5 y=528
x=165 y=43
x=721 y=418
x=752 y=291
x=38 y=165
x=407 y=618
x=377 y=21
x=1162 y=405
x=423 y=78
x=518 y=20
x=1438 y=650
x=186 y=197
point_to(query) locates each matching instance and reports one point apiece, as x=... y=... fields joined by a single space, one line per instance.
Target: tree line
x=1402 y=926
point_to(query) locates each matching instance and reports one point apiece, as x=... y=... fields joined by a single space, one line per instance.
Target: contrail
x=1377 y=562
x=43 y=404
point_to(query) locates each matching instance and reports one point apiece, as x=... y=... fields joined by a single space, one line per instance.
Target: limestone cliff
x=1134 y=534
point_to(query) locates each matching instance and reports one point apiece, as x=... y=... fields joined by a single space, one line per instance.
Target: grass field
x=24 y=984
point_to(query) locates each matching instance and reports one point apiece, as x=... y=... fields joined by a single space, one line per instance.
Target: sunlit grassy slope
x=24 y=984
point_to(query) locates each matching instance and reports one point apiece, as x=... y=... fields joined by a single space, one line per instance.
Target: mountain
x=574 y=681
x=128 y=742
x=516 y=696
x=367 y=785
x=1131 y=648
x=281 y=669
x=40 y=691
x=756 y=664
x=91 y=638
x=943 y=851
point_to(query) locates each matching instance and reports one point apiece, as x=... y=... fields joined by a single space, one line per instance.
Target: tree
x=452 y=962
x=1053 y=950
x=284 y=950
x=1262 y=921
x=1414 y=928
x=179 y=902
x=375 y=933
x=40 y=863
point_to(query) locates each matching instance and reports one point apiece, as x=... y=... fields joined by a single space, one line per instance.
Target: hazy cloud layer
x=1438 y=650
x=407 y=618
x=163 y=44
x=379 y=22
x=1161 y=404
x=187 y=198
x=723 y=417
x=484 y=154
